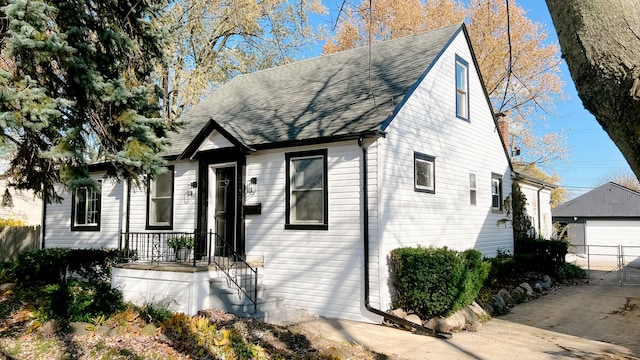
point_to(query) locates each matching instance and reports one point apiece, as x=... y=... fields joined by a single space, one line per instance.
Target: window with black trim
x=85 y=213
x=462 y=88
x=472 y=189
x=160 y=201
x=496 y=192
x=307 y=190
x=424 y=172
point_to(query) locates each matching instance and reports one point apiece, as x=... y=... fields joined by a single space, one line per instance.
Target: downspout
x=127 y=217
x=539 y=217
x=389 y=317
x=43 y=226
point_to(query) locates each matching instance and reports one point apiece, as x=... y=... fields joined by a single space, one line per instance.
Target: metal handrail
x=236 y=269
x=153 y=247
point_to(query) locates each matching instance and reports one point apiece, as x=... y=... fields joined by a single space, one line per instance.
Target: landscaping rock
x=79 y=328
x=506 y=296
x=526 y=287
x=489 y=308
x=501 y=305
x=479 y=311
x=456 y=321
x=414 y=319
x=518 y=294
x=7 y=286
x=538 y=287
x=469 y=315
x=548 y=280
x=436 y=324
x=448 y=325
x=545 y=285
x=474 y=326
x=399 y=312
x=49 y=329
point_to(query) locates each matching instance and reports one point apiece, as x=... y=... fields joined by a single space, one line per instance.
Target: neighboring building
x=25 y=206
x=608 y=215
x=316 y=170
x=538 y=207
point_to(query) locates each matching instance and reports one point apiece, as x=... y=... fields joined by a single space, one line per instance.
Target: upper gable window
x=307 y=196
x=462 y=88
x=424 y=169
x=85 y=213
x=160 y=201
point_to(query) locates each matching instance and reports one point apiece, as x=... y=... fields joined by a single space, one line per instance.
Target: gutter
x=422 y=330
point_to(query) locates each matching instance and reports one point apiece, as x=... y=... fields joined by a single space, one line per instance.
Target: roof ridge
x=341 y=52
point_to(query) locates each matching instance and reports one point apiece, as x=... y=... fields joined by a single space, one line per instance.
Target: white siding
x=113 y=210
x=320 y=270
x=545 y=228
x=185 y=200
x=215 y=141
x=58 y=220
x=427 y=124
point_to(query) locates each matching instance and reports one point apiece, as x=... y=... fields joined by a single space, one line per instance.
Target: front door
x=222 y=213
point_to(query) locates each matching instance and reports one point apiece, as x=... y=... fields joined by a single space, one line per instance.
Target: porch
x=211 y=275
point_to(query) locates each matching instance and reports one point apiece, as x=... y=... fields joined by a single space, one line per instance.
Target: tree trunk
x=600 y=41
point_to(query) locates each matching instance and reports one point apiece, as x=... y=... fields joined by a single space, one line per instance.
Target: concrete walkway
x=585 y=322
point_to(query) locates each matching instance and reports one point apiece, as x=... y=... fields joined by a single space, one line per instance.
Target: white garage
x=603 y=219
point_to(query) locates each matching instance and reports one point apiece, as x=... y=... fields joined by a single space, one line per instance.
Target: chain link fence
x=607 y=264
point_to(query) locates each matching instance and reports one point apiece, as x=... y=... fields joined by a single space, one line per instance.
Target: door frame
x=220 y=158
x=211 y=200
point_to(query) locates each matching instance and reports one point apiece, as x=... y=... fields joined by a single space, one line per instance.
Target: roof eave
x=206 y=130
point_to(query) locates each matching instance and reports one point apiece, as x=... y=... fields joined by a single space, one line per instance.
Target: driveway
x=592 y=321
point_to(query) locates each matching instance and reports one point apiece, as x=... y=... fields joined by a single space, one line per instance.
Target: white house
x=314 y=171
x=538 y=206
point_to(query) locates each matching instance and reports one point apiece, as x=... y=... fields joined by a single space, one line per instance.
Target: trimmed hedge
x=540 y=255
x=436 y=281
x=52 y=265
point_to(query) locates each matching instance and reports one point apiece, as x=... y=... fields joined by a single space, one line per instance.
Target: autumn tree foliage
x=76 y=86
x=558 y=195
x=211 y=41
x=519 y=68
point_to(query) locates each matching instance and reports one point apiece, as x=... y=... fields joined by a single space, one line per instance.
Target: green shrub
x=540 y=255
x=181 y=242
x=436 y=281
x=52 y=265
x=568 y=272
x=6 y=272
x=475 y=275
x=43 y=277
x=503 y=270
x=74 y=301
x=155 y=313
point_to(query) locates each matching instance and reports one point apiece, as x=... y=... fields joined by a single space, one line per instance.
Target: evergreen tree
x=76 y=87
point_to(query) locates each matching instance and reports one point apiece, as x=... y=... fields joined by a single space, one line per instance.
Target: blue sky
x=592 y=155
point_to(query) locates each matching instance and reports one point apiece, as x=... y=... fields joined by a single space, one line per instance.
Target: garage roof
x=608 y=200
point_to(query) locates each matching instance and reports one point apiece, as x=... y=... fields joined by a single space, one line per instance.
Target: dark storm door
x=224 y=211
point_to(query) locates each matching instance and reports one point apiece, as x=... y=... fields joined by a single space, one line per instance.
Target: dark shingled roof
x=320 y=98
x=608 y=200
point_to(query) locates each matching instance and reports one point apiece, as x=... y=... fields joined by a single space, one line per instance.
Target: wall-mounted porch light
x=252 y=186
